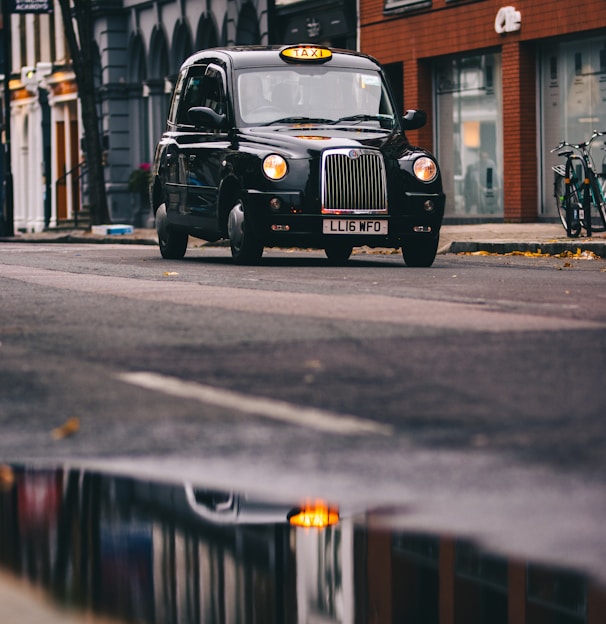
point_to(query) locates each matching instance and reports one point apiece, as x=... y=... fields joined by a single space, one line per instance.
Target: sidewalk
x=500 y=238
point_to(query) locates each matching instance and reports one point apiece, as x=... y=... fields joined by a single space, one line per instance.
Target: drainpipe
x=8 y=228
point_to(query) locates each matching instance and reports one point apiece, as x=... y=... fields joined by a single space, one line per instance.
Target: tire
x=173 y=245
x=420 y=253
x=338 y=252
x=561 y=203
x=598 y=208
x=245 y=246
x=568 y=195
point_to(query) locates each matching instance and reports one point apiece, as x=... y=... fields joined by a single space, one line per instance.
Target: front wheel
x=245 y=247
x=420 y=252
x=569 y=201
x=597 y=198
x=173 y=245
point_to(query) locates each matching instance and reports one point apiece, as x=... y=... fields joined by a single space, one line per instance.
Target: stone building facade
x=141 y=45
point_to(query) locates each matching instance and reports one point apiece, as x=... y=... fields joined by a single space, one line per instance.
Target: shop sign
x=31 y=6
x=314 y=28
x=507 y=20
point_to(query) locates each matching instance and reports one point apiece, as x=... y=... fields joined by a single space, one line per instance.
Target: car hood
x=307 y=141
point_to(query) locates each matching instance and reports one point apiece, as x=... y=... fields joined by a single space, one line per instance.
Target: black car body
x=292 y=146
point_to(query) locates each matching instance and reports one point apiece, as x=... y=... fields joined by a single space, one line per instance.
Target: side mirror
x=204 y=117
x=414 y=119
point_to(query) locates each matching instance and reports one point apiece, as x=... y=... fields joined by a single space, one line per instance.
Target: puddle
x=82 y=547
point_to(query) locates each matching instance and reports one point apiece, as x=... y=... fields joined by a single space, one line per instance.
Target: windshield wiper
x=299 y=120
x=362 y=117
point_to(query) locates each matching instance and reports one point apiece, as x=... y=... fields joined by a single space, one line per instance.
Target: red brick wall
x=417 y=37
x=456 y=27
x=519 y=132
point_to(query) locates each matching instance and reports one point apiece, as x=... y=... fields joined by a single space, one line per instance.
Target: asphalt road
x=471 y=395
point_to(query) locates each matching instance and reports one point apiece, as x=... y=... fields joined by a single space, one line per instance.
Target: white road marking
x=321 y=420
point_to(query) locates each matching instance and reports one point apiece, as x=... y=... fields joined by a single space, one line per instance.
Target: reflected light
x=7 y=478
x=315 y=516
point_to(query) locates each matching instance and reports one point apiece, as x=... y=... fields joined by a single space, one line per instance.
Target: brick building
x=502 y=85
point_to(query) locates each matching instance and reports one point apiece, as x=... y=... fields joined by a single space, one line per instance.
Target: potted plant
x=138 y=183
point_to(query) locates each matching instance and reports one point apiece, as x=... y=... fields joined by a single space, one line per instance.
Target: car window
x=214 y=94
x=271 y=94
x=203 y=87
x=176 y=98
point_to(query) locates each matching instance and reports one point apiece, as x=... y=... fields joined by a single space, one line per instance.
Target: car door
x=202 y=148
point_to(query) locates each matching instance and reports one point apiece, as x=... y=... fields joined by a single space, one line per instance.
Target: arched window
x=139 y=112
x=159 y=88
x=206 y=35
x=247 y=31
x=182 y=47
x=137 y=67
x=158 y=55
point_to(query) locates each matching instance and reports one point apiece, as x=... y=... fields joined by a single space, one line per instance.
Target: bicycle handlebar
x=581 y=146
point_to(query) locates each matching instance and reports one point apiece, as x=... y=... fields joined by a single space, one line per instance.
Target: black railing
x=76 y=174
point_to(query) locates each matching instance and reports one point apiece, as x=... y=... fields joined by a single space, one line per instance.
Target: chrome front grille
x=353 y=182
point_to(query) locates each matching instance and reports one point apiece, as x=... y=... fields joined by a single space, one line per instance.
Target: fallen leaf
x=68 y=428
x=479 y=440
x=313 y=364
x=584 y=254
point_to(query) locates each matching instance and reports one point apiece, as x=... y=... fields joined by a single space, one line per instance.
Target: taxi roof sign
x=306 y=53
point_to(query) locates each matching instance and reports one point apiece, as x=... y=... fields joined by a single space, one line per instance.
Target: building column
x=520 y=163
x=516 y=595
x=447 y=607
x=379 y=571
x=111 y=34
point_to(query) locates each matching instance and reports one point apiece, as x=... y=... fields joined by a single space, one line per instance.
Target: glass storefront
x=468 y=102
x=573 y=103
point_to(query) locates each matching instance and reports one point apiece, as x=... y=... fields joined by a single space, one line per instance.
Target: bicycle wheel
x=597 y=198
x=569 y=199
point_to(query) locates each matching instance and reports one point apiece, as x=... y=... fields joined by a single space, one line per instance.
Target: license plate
x=354 y=226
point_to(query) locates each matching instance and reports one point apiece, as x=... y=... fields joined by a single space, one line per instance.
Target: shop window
x=573 y=104
x=468 y=98
x=556 y=595
x=400 y=5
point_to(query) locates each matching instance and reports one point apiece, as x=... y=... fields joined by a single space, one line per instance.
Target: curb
x=547 y=248
x=119 y=239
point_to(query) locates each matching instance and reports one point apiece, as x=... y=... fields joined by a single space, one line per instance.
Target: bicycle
x=580 y=191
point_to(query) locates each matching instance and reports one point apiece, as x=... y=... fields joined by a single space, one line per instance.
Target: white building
x=141 y=46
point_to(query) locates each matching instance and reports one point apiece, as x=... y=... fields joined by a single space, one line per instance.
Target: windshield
x=313 y=95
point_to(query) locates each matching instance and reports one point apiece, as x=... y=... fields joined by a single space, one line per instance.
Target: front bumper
x=289 y=223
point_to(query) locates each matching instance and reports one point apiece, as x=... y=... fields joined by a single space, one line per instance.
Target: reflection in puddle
x=159 y=553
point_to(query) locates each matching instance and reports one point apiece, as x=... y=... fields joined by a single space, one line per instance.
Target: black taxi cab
x=292 y=146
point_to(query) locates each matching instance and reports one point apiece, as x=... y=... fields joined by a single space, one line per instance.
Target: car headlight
x=425 y=169
x=274 y=167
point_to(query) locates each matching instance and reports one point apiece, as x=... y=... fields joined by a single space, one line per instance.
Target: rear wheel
x=420 y=252
x=569 y=201
x=173 y=245
x=245 y=247
x=338 y=252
